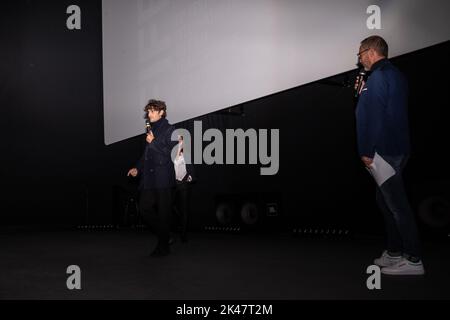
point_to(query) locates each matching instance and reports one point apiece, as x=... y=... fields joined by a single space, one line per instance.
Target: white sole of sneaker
x=403 y=273
x=381 y=265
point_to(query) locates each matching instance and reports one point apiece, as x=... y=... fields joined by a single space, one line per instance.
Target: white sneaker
x=405 y=268
x=386 y=260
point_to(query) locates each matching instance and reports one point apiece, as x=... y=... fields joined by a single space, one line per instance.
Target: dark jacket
x=382 y=113
x=155 y=167
x=191 y=172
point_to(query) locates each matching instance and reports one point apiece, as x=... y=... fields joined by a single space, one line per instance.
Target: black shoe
x=155 y=252
x=160 y=252
x=171 y=241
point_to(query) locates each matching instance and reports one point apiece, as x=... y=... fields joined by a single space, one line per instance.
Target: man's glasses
x=361 y=52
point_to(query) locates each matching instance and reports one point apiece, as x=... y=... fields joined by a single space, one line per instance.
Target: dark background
x=56 y=170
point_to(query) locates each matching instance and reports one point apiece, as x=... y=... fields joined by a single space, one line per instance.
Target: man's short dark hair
x=376 y=43
x=156 y=105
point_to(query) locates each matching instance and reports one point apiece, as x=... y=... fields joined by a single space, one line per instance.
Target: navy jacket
x=382 y=113
x=155 y=167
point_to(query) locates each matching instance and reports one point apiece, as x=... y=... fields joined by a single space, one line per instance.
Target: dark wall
x=56 y=170
x=55 y=167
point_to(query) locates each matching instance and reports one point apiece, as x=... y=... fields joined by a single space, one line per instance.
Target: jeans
x=401 y=228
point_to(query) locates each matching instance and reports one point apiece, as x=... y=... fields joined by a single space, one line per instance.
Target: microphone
x=148 y=126
x=360 y=77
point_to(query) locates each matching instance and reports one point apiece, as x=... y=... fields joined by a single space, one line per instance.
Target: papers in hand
x=380 y=170
x=180 y=167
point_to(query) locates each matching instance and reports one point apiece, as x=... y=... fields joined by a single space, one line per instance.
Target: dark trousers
x=182 y=193
x=155 y=206
x=401 y=228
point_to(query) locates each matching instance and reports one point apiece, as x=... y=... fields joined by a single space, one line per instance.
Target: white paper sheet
x=380 y=170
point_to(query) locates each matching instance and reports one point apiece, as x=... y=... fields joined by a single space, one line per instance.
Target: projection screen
x=205 y=55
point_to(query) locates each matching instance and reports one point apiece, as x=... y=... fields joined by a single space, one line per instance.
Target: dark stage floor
x=116 y=265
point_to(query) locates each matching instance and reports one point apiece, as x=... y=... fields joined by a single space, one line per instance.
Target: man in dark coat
x=157 y=176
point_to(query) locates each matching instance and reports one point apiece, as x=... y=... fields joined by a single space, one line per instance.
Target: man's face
x=155 y=115
x=364 y=57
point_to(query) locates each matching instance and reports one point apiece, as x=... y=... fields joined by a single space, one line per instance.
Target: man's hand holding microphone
x=133 y=172
x=359 y=84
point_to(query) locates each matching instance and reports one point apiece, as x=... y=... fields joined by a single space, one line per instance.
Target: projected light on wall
x=205 y=55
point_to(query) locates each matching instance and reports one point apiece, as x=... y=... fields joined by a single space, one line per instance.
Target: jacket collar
x=159 y=124
x=379 y=64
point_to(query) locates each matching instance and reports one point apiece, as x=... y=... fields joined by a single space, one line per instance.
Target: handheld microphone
x=148 y=126
x=360 y=77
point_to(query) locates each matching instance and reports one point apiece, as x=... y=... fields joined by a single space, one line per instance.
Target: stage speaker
x=435 y=212
x=250 y=211
x=225 y=213
x=431 y=202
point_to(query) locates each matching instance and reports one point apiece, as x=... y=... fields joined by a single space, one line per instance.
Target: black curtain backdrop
x=56 y=170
